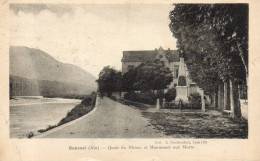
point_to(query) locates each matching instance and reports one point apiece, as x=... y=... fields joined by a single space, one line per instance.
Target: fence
x=170 y=105
x=179 y=105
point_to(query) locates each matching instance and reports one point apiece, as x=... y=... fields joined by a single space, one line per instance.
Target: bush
x=170 y=95
x=88 y=101
x=195 y=101
x=146 y=97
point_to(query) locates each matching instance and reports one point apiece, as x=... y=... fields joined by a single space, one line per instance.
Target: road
x=110 y=119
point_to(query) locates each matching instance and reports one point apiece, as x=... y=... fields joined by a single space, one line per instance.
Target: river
x=29 y=114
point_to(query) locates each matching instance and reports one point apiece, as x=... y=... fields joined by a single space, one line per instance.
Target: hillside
x=35 y=67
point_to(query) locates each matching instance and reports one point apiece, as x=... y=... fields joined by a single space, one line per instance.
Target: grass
x=198 y=125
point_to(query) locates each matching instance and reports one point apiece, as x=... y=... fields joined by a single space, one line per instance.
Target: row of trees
x=147 y=76
x=213 y=39
x=20 y=86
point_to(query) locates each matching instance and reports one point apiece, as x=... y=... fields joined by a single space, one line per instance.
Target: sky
x=91 y=36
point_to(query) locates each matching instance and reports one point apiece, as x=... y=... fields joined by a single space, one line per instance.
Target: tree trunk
x=237 y=101
x=225 y=95
x=241 y=53
x=213 y=99
x=239 y=91
x=220 y=97
x=216 y=98
x=234 y=100
x=231 y=99
x=242 y=57
x=203 y=109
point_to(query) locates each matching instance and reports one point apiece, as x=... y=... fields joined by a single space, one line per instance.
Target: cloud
x=92 y=36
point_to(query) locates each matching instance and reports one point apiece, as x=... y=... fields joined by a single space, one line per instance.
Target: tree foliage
x=109 y=81
x=170 y=95
x=148 y=76
x=213 y=39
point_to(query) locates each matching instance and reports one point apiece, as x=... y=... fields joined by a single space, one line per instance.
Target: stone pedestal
x=182 y=93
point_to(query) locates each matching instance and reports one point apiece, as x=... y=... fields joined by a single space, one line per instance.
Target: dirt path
x=109 y=120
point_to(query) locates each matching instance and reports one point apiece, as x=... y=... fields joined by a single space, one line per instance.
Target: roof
x=139 y=56
x=149 y=55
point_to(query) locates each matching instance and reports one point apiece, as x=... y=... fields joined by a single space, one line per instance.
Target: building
x=171 y=58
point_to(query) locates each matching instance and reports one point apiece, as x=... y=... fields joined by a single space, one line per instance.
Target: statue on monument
x=182 y=86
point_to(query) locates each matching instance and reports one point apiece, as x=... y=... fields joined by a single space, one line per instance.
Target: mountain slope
x=34 y=64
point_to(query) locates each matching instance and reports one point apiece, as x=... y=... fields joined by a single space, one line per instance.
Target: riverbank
x=78 y=111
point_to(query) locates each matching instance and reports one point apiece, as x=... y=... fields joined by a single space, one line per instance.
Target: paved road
x=109 y=120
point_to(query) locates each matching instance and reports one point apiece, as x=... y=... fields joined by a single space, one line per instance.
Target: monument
x=182 y=86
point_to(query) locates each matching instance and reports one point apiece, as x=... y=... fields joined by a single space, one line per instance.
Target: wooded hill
x=34 y=72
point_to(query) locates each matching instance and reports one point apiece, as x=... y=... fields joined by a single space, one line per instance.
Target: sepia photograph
x=177 y=70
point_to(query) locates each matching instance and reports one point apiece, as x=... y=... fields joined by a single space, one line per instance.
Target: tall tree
x=213 y=38
x=109 y=81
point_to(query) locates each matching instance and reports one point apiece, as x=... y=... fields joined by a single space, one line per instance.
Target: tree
x=213 y=39
x=109 y=81
x=148 y=76
x=128 y=80
x=170 y=95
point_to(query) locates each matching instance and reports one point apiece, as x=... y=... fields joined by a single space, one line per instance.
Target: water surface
x=31 y=115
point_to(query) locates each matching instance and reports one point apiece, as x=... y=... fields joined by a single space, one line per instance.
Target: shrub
x=195 y=101
x=170 y=95
x=87 y=101
x=146 y=97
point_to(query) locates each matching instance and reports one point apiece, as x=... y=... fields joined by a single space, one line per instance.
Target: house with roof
x=172 y=59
